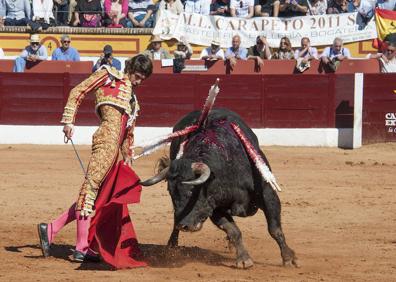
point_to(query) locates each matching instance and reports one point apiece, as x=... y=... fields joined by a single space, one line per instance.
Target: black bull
x=215 y=178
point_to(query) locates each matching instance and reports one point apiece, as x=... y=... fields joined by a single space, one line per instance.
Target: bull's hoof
x=290 y=259
x=244 y=263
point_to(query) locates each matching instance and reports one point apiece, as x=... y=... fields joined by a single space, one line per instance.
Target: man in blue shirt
x=32 y=54
x=18 y=12
x=107 y=59
x=236 y=52
x=65 y=52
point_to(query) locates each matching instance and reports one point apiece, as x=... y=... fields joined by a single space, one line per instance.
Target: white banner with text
x=201 y=30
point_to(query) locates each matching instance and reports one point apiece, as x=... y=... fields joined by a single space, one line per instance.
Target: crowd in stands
x=41 y=14
x=330 y=58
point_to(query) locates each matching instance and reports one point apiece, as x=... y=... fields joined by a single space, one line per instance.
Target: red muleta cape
x=111 y=231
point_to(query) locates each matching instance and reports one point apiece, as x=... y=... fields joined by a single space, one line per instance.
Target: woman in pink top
x=115 y=13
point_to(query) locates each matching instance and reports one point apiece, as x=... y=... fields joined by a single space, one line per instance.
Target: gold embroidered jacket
x=111 y=87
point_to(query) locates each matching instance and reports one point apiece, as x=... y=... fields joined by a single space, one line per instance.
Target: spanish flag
x=385 y=21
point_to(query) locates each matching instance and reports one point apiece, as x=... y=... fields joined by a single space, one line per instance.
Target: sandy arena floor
x=338 y=213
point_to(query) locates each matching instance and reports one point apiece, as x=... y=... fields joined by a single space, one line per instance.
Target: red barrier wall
x=277 y=101
x=379 y=108
x=50 y=67
x=273 y=67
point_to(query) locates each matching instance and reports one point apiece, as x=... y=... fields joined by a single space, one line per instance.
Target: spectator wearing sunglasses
x=285 y=51
x=387 y=57
x=242 y=8
x=32 y=53
x=65 y=52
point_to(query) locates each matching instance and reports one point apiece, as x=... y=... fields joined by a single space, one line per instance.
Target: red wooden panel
x=379 y=99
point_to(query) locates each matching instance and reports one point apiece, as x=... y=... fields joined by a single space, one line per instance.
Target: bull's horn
x=203 y=170
x=156 y=178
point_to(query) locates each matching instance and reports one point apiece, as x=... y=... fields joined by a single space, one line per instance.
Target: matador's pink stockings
x=82 y=227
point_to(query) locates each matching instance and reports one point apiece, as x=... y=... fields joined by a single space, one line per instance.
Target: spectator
x=33 y=53
x=266 y=8
x=116 y=12
x=1 y=53
x=387 y=57
x=141 y=13
x=106 y=58
x=62 y=12
x=65 y=52
x=2 y=12
x=293 y=8
x=260 y=51
x=365 y=9
x=43 y=17
x=285 y=51
x=173 y=6
x=305 y=55
x=72 y=9
x=18 y=12
x=184 y=50
x=242 y=8
x=387 y=4
x=220 y=8
x=235 y=52
x=317 y=7
x=88 y=13
x=213 y=52
x=337 y=6
x=332 y=56
x=197 y=7
x=155 y=51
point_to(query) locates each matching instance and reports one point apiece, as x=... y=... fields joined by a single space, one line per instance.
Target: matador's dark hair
x=141 y=64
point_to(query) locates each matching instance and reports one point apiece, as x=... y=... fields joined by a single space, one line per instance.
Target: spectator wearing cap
x=184 y=49
x=235 y=52
x=65 y=52
x=155 y=51
x=213 y=52
x=242 y=8
x=17 y=12
x=106 y=58
x=32 y=53
x=260 y=51
x=141 y=13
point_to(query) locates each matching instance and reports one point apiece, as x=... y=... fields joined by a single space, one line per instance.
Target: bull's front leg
x=272 y=211
x=225 y=222
x=174 y=237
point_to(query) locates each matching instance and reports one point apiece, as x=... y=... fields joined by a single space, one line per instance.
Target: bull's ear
x=156 y=178
x=202 y=170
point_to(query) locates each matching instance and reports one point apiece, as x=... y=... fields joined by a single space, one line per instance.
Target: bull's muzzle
x=190 y=228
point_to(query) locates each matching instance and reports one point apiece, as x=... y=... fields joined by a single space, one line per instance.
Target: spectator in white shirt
x=43 y=16
x=242 y=8
x=332 y=56
x=213 y=52
x=1 y=53
x=197 y=7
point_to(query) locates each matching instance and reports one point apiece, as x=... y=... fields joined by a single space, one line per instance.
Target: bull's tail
x=256 y=158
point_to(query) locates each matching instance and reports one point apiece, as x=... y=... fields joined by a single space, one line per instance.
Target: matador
x=116 y=107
